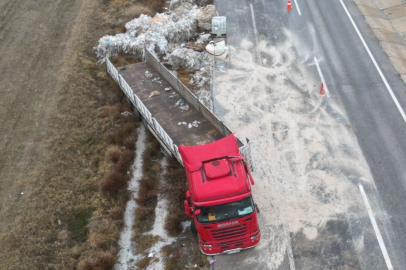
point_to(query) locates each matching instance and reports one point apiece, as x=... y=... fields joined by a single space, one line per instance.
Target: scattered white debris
x=126 y=113
x=155 y=93
x=157 y=80
x=150 y=255
x=168 y=88
x=195 y=123
x=190 y=125
x=201 y=77
x=184 y=123
x=212 y=261
x=195 y=265
x=148 y=74
x=181 y=103
x=203 y=38
x=22 y=193
x=59 y=222
x=184 y=107
x=180 y=123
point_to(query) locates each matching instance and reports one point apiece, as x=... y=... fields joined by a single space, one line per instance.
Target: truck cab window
x=223 y=212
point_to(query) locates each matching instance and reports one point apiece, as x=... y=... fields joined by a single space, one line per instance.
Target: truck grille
x=223 y=236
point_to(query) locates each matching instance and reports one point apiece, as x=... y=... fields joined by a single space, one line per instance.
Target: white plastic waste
x=180 y=26
x=195 y=123
x=148 y=74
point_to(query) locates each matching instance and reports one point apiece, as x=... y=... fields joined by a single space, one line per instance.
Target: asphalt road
x=326 y=32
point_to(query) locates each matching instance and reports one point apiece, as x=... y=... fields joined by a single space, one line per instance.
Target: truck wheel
x=193 y=227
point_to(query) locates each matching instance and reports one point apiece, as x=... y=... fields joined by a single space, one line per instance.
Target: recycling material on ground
x=173 y=37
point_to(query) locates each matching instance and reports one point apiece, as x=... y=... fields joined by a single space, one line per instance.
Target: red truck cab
x=219 y=199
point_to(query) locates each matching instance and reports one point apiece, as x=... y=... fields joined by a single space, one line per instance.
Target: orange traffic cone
x=322 y=93
x=289 y=5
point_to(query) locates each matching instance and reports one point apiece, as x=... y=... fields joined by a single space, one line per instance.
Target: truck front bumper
x=218 y=251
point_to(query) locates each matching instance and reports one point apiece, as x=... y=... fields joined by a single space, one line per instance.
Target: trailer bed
x=163 y=108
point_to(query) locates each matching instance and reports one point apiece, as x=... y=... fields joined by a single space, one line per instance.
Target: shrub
x=113 y=183
x=129 y=143
x=101 y=261
x=124 y=162
x=173 y=223
x=113 y=153
x=116 y=213
x=147 y=192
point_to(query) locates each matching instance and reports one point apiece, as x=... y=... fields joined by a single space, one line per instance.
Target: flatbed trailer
x=159 y=112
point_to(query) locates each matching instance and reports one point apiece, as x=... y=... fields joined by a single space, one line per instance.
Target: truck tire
x=193 y=227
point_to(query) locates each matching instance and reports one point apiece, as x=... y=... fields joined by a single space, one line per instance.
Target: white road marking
x=298 y=9
x=376 y=229
x=289 y=248
x=321 y=76
x=376 y=64
x=256 y=34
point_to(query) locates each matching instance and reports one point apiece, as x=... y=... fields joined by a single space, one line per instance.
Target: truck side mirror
x=187 y=208
x=256 y=207
x=197 y=212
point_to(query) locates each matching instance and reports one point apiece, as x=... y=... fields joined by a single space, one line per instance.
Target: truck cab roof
x=215 y=171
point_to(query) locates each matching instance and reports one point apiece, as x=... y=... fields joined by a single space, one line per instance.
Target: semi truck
x=219 y=198
x=216 y=163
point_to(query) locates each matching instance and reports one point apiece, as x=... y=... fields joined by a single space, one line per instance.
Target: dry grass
x=118 y=12
x=116 y=213
x=113 y=183
x=113 y=153
x=184 y=254
x=129 y=143
x=148 y=188
x=123 y=59
x=174 y=187
x=136 y=10
x=101 y=261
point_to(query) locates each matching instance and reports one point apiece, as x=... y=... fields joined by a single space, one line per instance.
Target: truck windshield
x=223 y=212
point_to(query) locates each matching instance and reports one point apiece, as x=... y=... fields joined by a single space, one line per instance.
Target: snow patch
x=126 y=258
x=158 y=229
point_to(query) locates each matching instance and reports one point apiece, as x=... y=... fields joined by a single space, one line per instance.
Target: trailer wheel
x=193 y=227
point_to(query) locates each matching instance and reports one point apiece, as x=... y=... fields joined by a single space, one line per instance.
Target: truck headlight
x=255 y=236
x=206 y=246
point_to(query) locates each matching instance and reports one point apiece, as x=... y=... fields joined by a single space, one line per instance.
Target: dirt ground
x=35 y=39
